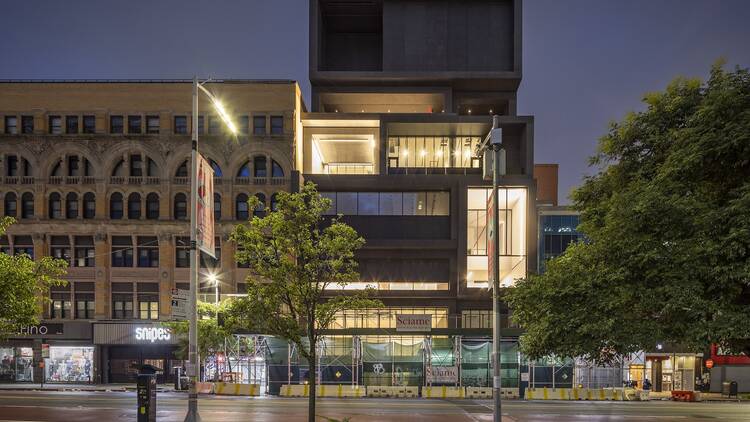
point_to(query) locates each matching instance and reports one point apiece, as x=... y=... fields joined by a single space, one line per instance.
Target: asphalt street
x=18 y=406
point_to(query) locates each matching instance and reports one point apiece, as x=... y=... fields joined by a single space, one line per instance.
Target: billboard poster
x=205 y=214
x=442 y=374
x=411 y=322
x=491 y=234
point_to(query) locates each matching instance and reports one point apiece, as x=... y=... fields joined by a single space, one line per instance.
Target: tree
x=24 y=283
x=212 y=338
x=667 y=223
x=295 y=254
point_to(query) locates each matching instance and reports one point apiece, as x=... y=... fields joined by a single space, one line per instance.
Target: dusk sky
x=586 y=62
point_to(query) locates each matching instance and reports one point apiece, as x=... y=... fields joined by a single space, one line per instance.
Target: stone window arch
x=241 y=207
x=71 y=205
x=152 y=206
x=11 y=204
x=55 y=206
x=134 y=206
x=180 y=207
x=27 y=205
x=116 y=207
x=89 y=205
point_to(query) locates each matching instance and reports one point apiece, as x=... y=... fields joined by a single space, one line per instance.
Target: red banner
x=205 y=213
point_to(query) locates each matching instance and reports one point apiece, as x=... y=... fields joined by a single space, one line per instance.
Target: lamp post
x=192 y=414
x=494 y=142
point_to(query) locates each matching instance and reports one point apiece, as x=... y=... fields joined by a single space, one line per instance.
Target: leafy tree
x=212 y=337
x=295 y=254
x=25 y=282
x=667 y=222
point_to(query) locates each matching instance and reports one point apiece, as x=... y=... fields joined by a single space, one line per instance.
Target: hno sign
x=152 y=334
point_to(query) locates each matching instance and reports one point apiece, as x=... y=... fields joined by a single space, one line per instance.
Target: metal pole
x=496 y=390
x=192 y=414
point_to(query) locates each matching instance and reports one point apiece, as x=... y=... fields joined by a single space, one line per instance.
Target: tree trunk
x=312 y=365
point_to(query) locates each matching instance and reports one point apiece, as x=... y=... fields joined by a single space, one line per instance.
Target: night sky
x=586 y=62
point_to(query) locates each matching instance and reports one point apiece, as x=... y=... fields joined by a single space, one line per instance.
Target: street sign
x=45 y=351
x=180 y=304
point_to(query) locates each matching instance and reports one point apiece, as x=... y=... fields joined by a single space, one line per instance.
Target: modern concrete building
x=402 y=93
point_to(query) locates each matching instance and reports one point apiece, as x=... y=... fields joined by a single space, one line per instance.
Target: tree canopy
x=25 y=283
x=667 y=222
x=295 y=255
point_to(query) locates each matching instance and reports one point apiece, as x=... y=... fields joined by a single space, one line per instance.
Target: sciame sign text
x=152 y=334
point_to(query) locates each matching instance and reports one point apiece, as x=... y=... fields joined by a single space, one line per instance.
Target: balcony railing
x=181 y=180
x=275 y=181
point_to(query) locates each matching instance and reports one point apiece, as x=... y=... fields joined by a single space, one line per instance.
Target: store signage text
x=152 y=334
x=41 y=330
x=442 y=374
x=413 y=322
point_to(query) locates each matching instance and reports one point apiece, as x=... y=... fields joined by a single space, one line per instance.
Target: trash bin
x=146 y=393
x=729 y=388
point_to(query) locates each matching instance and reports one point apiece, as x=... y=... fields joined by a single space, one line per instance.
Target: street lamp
x=494 y=142
x=213 y=280
x=192 y=414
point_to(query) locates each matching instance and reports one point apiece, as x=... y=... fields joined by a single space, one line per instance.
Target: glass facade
x=433 y=151
x=512 y=232
x=69 y=364
x=556 y=233
x=388 y=203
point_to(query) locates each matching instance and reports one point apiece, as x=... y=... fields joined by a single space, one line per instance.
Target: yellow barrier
x=479 y=392
x=600 y=394
x=303 y=390
x=443 y=392
x=236 y=389
x=294 y=390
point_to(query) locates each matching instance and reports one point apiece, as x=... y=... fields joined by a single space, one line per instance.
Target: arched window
x=12 y=168
x=241 y=209
x=119 y=169
x=152 y=206
x=153 y=169
x=55 y=205
x=134 y=206
x=182 y=170
x=27 y=205
x=275 y=202
x=57 y=169
x=11 y=204
x=260 y=209
x=276 y=170
x=180 y=207
x=71 y=205
x=259 y=165
x=244 y=170
x=115 y=206
x=216 y=168
x=89 y=205
x=217 y=207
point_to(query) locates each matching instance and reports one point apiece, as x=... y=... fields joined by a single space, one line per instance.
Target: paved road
x=16 y=406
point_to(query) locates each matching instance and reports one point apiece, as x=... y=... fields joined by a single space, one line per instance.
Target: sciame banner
x=205 y=212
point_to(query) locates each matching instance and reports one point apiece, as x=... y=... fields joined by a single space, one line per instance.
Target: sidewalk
x=80 y=387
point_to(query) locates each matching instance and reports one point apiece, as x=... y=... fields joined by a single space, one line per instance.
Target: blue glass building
x=557 y=230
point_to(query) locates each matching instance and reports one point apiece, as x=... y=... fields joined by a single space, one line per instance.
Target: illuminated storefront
x=73 y=364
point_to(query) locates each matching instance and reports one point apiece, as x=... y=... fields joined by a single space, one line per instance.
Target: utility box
x=146 y=393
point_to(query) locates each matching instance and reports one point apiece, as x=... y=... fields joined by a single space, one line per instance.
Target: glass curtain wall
x=433 y=151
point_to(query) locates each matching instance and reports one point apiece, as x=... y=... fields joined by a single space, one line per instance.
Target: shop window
x=17 y=364
x=60 y=248
x=69 y=364
x=148 y=251
x=122 y=251
x=85 y=252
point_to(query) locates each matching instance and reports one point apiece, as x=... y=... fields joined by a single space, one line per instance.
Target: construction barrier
x=205 y=387
x=443 y=392
x=235 y=389
x=593 y=394
x=509 y=393
x=478 y=392
x=340 y=390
